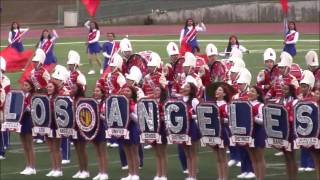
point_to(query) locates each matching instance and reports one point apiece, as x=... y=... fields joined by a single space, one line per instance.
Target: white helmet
x=3 y=63
x=211 y=49
x=308 y=78
x=73 y=57
x=312 y=58
x=190 y=79
x=134 y=74
x=125 y=45
x=155 y=60
x=235 y=52
x=172 y=49
x=60 y=73
x=269 y=54
x=285 y=60
x=39 y=56
x=190 y=60
x=116 y=61
x=245 y=76
x=238 y=64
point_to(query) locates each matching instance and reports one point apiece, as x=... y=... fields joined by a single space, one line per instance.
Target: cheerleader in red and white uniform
x=160 y=94
x=255 y=96
x=99 y=141
x=189 y=96
x=93 y=45
x=26 y=129
x=221 y=98
x=54 y=89
x=39 y=75
x=291 y=39
x=131 y=145
x=289 y=99
x=265 y=77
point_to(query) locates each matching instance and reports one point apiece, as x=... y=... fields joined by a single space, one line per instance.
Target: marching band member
x=77 y=85
x=255 y=96
x=221 y=98
x=133 y=79
x=115 y=79
x=243 y=82
x=39 y=75
x=131 y=145
x=93 y=46
x=55 y=88
x=188 y=36
x=266 y=76
x=160 y=94
x=235 y=71
x=15 y=35
x=173 y=74
x=214 y=64
x=46 y=43
x=234 y=44
x=313 y=65
x=212 y=54
x=284 y=76
x=109 y=48
x=154 y=77
x=306 y=86
x=126 y=50
x=189 y=96
x=26 y=129
x=4 y=90
x=291 y=39
x=99 y=141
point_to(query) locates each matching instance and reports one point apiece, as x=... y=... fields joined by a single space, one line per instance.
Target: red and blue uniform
x=259 y=134
x=47 y=45
x=225 y=130
x=26 y=121
x=151 y=81
x=291 y=39
x=109 y=48
x=15 y=39
x=40 y=78
x=101 y=134
x=4 y=90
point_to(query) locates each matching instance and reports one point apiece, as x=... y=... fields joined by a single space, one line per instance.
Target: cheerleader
x=221 y=98
x=188 y=37
x=189 y=96
x=234 y=44
x=291 y=39
x=46 y=43
x=243 y=82
x=131 y=145
x=306 y=86
x=39 y=75
x=26 y=129
x=160 y=94
x=99 y=141
x=93 y=45
x=15 y=35
x=109 y=48
x=4 y=90
x=266 y=76
x=289 y=99
x=255 y=96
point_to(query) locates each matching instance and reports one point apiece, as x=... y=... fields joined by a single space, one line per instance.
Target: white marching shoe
x=84 y=175
x=309 y=169
x=65 y=161
x=124 y=167
x=163 y=178
x=301 y=169
x=91 y=72
x=147 y=147
x=28 y=171
x=76 y=175
x=242 y=175
x=156 y=178
x=135 y=177
x=232 y=162
x=250 y=175
x=2 y=157
x=50 y=173
x=97 y=177
x=57 y=173
x=127 y=178
x=104 y=176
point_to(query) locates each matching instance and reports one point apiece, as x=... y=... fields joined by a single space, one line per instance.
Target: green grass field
x=14 y=162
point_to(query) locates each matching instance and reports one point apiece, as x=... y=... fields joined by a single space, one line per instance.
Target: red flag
x=14 y=59
x=284 y=4
x=105 y=72
x=91 y=6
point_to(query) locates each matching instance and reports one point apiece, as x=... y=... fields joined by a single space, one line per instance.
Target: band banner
x=41 y=113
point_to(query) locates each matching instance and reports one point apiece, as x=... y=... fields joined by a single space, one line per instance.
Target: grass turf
x=14 y=162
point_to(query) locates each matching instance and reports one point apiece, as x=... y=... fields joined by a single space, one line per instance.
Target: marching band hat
x=285 y=60
x=155 y=60
x=312 y=58
x=211 y=49
x=116 y=61
x=73 y=57
x=125 y=45
x=308 y=78
x=190 y=59
x=60 y=73
x=172 y=49
x=3 y=63
x=269 y=54
x=134 y=74
x=238 y=65
x=39 y=56
x=245 y=76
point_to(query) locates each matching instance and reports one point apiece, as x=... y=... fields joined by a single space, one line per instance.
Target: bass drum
x=139 y=61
